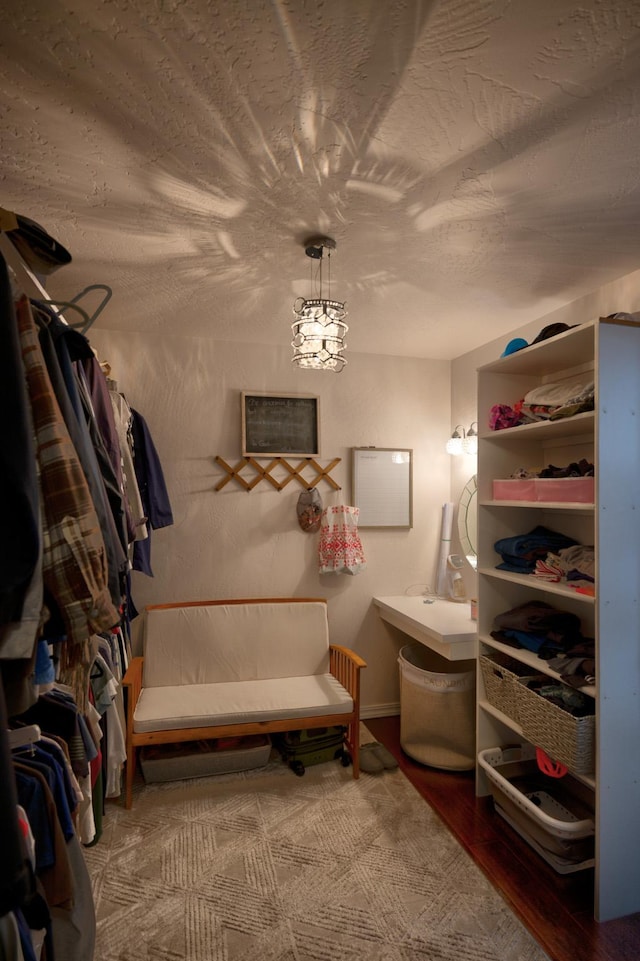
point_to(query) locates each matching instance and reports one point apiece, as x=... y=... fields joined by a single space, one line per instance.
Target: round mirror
x=468 y=521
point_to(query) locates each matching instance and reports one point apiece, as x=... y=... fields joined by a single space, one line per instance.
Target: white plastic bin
x=554 y=815
x=437 y=709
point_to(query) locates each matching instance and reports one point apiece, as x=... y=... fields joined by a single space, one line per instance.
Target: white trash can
x=437 y=709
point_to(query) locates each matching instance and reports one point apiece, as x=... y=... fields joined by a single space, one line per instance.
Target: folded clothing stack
x=553 y=401
x=554 y=635
x=520 y=552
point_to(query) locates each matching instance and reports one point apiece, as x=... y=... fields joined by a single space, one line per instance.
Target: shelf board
x=579 y=424
x=536 y=584
x=538 y=664
x=549 y=356
x=574 y=506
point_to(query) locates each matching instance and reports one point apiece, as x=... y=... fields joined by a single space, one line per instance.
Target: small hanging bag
x=340 y=549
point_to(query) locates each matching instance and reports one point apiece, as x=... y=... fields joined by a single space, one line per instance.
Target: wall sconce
x=454 y=444
x=470 y=442
x=463 y=441
x=319 y=331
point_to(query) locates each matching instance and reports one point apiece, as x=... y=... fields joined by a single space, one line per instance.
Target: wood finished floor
x=557 y=909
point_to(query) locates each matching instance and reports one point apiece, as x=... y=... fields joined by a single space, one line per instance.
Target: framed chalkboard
x=275 y=425
x=383 y=486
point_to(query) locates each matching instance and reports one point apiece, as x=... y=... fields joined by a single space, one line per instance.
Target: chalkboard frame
x=265 y=438
x=382 y=506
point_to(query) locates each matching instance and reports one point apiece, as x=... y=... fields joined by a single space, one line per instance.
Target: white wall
x=237 y=544
x=621 y=295
x=234 y=544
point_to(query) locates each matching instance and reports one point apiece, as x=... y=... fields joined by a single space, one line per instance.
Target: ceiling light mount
x=314 y=246
x=319 y=330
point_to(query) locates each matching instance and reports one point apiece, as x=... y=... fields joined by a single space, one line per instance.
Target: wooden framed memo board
x=275 y=425
x=382 y=486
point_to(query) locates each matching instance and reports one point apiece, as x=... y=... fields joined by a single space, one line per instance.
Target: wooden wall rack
x=263 y=472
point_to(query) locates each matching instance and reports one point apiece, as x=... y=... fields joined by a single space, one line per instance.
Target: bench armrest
x=345 y=665
x=132 y=682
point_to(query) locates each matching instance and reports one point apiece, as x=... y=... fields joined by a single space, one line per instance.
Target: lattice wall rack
x=263 y=472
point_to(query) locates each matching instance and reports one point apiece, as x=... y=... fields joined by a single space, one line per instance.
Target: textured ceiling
x=477 y=162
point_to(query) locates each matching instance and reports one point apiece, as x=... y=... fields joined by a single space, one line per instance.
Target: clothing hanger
x=108 y=293
x=105 y=367
x=88 y=320
x=66 y=305
x=24 y=736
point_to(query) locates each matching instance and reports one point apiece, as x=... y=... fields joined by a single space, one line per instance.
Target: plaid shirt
x=74 y=559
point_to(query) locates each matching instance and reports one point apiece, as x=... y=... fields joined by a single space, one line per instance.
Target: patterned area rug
x=268 y=866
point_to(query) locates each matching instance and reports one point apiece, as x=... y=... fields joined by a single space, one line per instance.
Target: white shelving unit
x=610 y=438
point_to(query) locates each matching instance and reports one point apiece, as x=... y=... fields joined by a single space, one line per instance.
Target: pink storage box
x=514 y=490
x=575 y=490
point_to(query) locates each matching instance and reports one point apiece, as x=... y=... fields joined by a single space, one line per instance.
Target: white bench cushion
x=203 y=705
x=211 y=643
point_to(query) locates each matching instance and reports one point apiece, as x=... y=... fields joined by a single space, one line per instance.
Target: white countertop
x=444 y=626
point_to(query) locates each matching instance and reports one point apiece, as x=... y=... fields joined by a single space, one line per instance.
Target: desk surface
x=444 y=626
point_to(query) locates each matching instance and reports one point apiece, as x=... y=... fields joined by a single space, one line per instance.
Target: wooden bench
x=225 y=668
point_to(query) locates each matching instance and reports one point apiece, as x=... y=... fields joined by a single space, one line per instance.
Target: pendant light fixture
x=319 y=330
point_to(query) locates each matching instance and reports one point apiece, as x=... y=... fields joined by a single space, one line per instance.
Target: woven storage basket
x=500 y=674
x=568 y=739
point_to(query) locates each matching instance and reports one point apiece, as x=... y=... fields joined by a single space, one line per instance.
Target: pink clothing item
x=501 y=416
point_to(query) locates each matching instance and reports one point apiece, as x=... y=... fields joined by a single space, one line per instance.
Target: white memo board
x=382 y=486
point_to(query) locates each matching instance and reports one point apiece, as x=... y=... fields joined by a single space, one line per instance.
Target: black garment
x=538 y=627
x=62 y=719
x=539 y=617
x=19 y=502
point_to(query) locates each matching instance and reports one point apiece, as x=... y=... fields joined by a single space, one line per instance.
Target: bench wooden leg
x=129 y=775
x=353 y=734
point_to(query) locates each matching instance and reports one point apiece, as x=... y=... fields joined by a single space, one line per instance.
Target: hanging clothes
x=49 y=800
x=122 y=419
x=69 y=514
x=96 y=384
x=73 y=416
x=74 y=554
x=153 y=490
x=72 y=346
